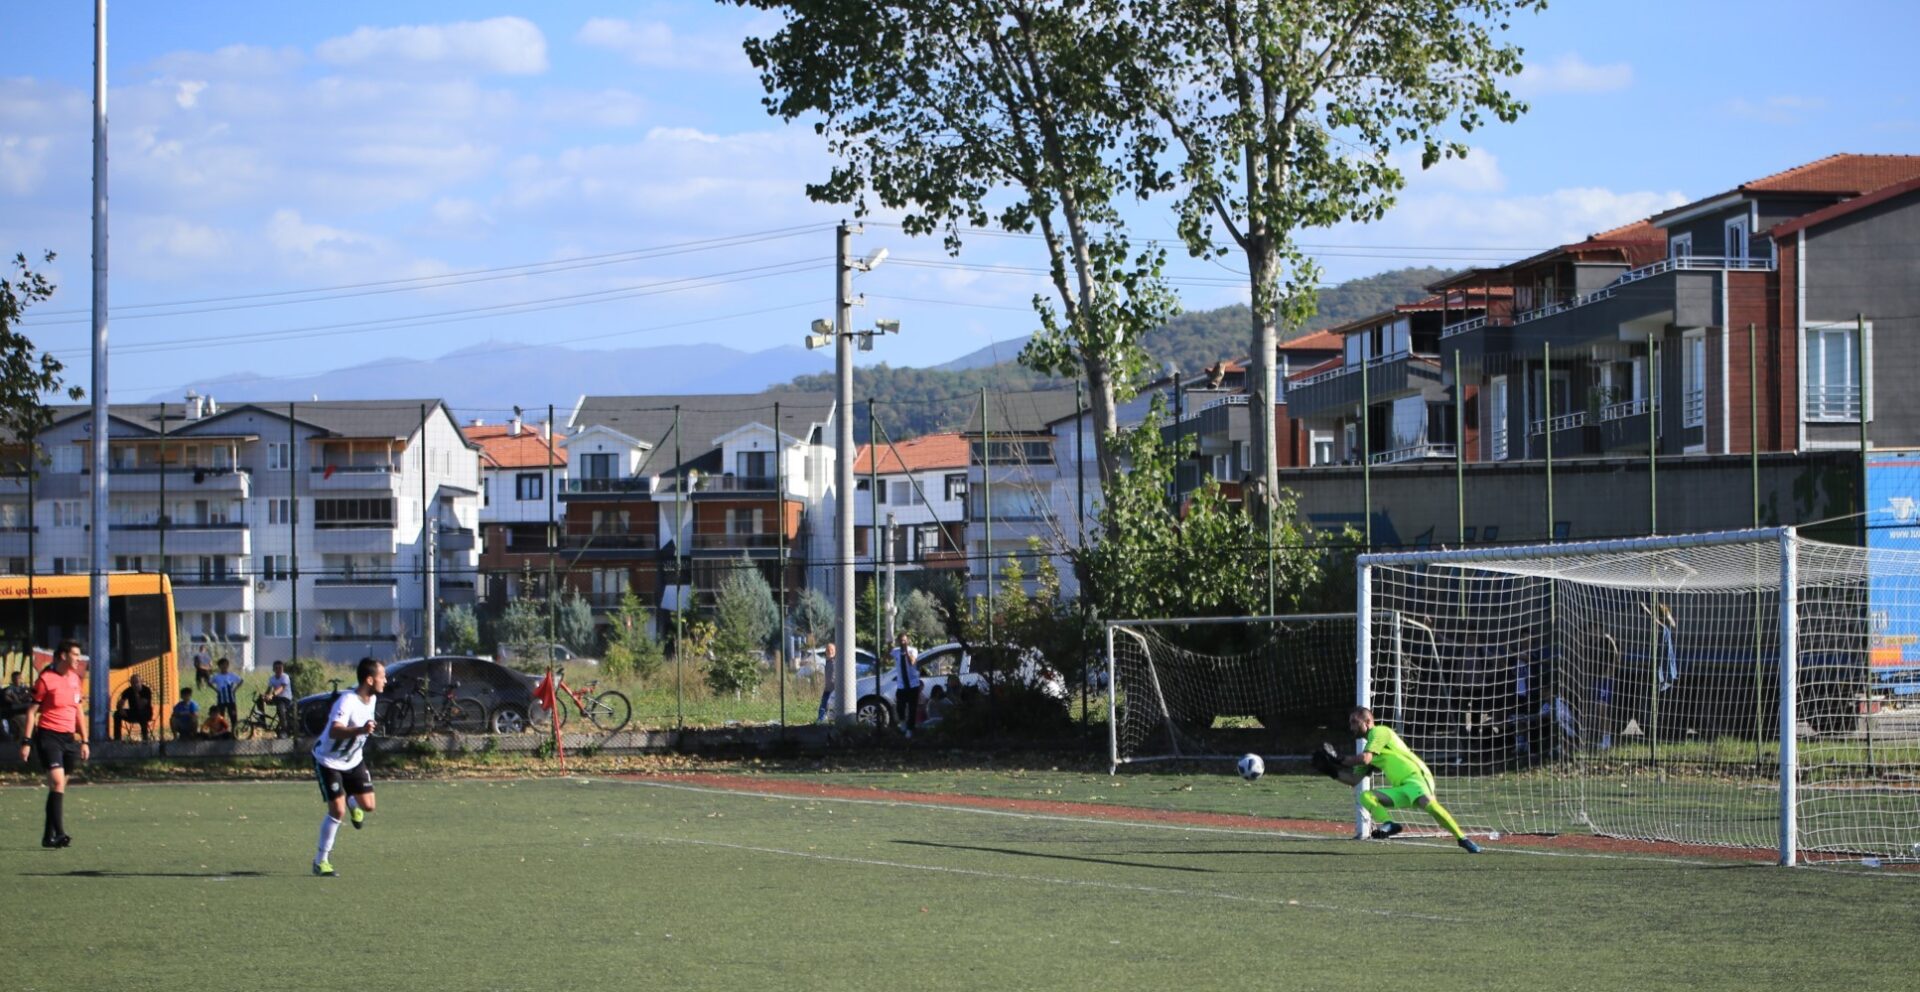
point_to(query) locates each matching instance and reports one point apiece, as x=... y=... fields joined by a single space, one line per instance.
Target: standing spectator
x=906 y=699
x=56 y=735
x=280 y=695
x=185 y=722
x=828 y=672
x=226 y=694
x=134 y=707
x=202 y=667
x=15 y=699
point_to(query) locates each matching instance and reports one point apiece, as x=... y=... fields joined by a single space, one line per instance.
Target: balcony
x=1571 y=434
x=458 y=592
x=356 y=593
x=737 y=542
x=944 y=559
x=1472 y=324
x=1414 y=453
x=14 y=540
x=212 y=594
x=367 y=539
x=611 y=545
x=1388 y=376
x=182 y=479
x=457 y=539
x=1693 y=408
x=729 y=483
x=229 y=538
x=605 y=600
x=353 y=478
x=1624 y=409
x=589 y=488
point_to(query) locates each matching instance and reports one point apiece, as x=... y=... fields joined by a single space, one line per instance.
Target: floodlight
x=818 y=341
x=823 y=326
x=887 y=325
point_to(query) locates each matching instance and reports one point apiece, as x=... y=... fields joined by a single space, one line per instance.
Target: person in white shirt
x=340 y=763
x=280 y=694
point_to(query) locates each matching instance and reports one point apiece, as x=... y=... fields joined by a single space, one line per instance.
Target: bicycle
x=608 y=711
x=265 y=718
x=450 y=713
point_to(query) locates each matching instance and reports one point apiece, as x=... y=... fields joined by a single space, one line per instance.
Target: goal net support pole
x=1789 y=696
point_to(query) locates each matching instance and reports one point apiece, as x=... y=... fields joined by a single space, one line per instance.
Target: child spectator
x=185 y=722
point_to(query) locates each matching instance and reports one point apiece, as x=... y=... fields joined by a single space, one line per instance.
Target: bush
x=631 y=649
x=311 y=675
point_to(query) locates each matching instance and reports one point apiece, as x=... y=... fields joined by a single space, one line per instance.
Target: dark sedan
x=505 y=695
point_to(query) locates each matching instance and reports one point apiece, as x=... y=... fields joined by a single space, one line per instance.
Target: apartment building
x=1021 y=482
x=919 y=487
x=668 y=494
x=522 y=468
x=324 y=529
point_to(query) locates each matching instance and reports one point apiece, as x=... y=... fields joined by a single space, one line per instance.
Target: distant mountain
x=496 y=375
x=993 y=354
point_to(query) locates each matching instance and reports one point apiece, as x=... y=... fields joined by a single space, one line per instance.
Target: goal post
x=1747 y=689
x=1210 y=688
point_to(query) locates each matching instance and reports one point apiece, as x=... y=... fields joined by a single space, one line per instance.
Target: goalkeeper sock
x=1446 y=819
x=1380 y=811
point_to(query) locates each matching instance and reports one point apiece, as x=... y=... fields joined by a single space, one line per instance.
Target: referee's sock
x=56 y=821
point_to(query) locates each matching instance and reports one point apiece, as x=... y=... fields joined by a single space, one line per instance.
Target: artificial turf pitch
x=618 y=884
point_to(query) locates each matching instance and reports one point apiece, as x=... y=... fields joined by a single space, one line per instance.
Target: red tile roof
x=932 y=451
x=1322 y=340
x=499 y=449
x=1326 y=366
x=1843 y=173
x=1845 y=207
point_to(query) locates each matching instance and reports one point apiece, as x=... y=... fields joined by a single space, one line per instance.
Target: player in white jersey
x=340 y=761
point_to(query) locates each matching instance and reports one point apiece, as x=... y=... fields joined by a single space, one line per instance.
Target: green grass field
x=595 y=883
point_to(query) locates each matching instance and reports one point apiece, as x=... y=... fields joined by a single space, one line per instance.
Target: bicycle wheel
x=540 y=719
x=395 y=719
x=609 y=711
x=254 y=725
x=467 y=715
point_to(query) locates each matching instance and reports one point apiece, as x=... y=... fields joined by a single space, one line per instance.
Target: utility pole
x=888 y=610
x=429 y=584
x=843 y=465
x=99 y=636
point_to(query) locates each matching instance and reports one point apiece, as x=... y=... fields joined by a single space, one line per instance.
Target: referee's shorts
x=55 y=749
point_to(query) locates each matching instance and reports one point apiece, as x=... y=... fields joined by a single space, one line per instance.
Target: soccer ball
x=1251 y=767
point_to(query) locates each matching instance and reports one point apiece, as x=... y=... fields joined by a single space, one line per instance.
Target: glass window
x=529 y=485
x=1833 y=379
x=956 y=486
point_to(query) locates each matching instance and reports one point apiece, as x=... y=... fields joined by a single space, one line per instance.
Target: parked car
x=874 y=701
x=811 y=662
x=529 y=657
x=505 y=695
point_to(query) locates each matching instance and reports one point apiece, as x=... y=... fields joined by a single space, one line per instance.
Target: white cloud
x=187 y=94
x=1478 y=172
x=1775 y=109
x=1572 y=74
x=656 y=45
x=23 y=163
x=1471 y=229
x=608 y=108
x=507 y=45
x=289 y=234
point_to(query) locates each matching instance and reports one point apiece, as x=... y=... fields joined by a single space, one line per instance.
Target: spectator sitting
x=135 y=707
x=226 y=695
x=280 y=693
x=217 y=727
x=15 y=700
x=939 y=704
x=185 y=722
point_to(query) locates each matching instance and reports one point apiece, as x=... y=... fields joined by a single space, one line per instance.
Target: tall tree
x=25 y=375
x=970 y=113
x=1280 y=115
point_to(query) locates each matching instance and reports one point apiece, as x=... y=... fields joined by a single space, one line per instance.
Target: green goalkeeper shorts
x=1406 y=795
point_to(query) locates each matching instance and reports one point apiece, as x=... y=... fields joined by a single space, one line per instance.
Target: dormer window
x=1737 y=235
x=1680 y=246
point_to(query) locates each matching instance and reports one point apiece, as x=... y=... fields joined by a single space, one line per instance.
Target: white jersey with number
x=342 y=755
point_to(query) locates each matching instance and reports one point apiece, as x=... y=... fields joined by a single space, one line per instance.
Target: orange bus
x=54 y=608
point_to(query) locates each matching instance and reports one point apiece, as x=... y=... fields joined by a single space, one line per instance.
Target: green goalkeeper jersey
x=1394 y=758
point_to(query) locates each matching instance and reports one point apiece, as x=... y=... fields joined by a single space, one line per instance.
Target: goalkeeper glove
x=1325 y=760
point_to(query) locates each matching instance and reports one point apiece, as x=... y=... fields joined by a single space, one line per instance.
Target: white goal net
x=1748 y=689
x=1205 y=688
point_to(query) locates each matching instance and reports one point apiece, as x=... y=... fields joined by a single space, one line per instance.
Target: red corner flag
x=543 y=692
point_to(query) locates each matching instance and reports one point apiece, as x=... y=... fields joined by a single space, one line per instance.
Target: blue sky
x=271 y=148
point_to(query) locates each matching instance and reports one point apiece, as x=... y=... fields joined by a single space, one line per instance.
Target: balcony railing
x=1498 y=437
x=1684 y=262
x=1564 y=422
x=351 y=470
x=711 y=541
x=1623 y=409
x=1694 y=407
x=605 y=600
x=1473 y=324
x=1332 y=374
x=179 y=525
x=631 y=484
x=736 y=484
x=1192 y=412
x=1413 y=453
x=583 y=542
x=355 y=637
x=180 y=579
x=1833 y=401
x=358 y=580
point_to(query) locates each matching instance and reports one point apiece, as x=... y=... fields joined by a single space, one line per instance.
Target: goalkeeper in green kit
x=1409 y=781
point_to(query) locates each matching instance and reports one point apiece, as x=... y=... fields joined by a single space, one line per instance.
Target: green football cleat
x=324 y=869
x=358 y=816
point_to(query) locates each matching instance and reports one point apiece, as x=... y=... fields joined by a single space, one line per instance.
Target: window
x=1680 y=246
x=883 y=492
x=754 y=464
x=373 y=512
x=1693 y=379
x=1833 y=375
x=274 y=567
x=956 y=486
x=1320 y=445
x=66 y=513
x=279 y=511
x=279 y=455
x=66 y=458
x=276 y=623
x=1737 y=250
x=127 y=563
x=1496 y=406
x=596 y=466
x=610 y=521
x=69 y=565
x=529 y=485
x=902 y=494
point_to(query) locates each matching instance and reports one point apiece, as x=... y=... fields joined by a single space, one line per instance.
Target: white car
x=531 y=657
x=874 y=702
